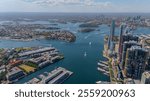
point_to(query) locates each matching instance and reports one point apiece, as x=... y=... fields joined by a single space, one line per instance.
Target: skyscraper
x=148 y=63
x=120 y=42
x=112 y=30
x=111 y=36
x=109 y=41
x=125 y=38
x=135 y=62
x=126 y=45
x=129 y=37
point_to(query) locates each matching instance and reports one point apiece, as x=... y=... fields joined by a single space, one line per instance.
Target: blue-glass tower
x=112 y=30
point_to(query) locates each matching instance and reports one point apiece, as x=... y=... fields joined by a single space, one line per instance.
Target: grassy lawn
x=27 y=69
x=31 y=64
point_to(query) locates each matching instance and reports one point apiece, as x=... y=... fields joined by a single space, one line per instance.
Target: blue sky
x=74 y=5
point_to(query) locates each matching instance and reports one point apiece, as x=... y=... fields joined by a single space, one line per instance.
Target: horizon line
x=68 y=12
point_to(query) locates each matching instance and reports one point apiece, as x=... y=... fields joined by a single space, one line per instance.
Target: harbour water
x=84 y=67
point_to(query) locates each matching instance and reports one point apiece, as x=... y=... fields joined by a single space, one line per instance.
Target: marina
x=104 y=62
x=103 y=67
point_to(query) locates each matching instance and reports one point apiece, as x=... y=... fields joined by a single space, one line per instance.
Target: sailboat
x=85 y=54
x=90 y=43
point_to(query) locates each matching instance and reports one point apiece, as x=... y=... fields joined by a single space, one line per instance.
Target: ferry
x=98 y=82
x=102 y=82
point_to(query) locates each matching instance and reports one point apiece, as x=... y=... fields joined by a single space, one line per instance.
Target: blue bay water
x=84 y=68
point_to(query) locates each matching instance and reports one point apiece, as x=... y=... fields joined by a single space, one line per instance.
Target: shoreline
x=33 y=39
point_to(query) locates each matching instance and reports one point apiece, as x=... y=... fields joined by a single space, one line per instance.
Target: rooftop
x=36 y=51
x=137 y=48
x=14 y=71
x=147 y=74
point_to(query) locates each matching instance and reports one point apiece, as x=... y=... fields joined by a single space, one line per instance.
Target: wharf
x=57 y=76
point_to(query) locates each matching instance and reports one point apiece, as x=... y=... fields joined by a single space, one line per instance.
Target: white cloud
x=54 y=2
x=70 y=2
x=99 y=4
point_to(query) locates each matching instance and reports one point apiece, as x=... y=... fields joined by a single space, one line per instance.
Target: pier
x=57 y=76
x=36 y=51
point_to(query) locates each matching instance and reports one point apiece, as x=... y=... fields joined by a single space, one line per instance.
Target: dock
x=104 y=62
x=103 y=66
x=57 y=76
x=36 y=51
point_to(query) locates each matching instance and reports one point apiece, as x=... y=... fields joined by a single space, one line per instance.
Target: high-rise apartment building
x=135 y=62
x=126 y=45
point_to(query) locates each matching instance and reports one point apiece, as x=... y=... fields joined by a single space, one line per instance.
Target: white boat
x=90 y=43
x=98 y=82
x=85 y=54
x=106 y=74
x=102 y=82
x=100 y=69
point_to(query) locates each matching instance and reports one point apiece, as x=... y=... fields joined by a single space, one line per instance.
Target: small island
x=88 y=27
x=60 y=35
x=89 y=24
